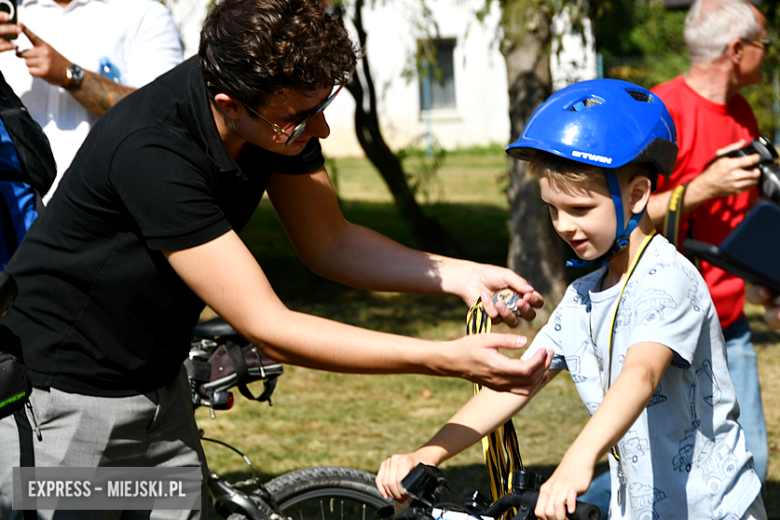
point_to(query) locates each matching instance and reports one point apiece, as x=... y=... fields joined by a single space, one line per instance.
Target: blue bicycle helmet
x=607 y=123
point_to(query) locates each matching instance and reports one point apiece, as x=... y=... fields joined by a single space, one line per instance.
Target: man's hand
x=7 y=29
x=724 y=177
x=96 y=93
x=393 y=470
x=762 y=296
x=43 y=60
x=559 y=494
x=484 y=280
x=729 y=175
x=478 y=359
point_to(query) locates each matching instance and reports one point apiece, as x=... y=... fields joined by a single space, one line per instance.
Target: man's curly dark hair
x=252 y=48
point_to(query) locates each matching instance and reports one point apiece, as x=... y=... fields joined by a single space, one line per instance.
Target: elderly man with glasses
x=143 y=232
x=727 y=42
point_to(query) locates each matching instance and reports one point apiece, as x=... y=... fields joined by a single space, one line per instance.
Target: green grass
x=319 y=418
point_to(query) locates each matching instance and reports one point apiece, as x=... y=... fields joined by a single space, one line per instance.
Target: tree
x=535 y=250
x=431 y=235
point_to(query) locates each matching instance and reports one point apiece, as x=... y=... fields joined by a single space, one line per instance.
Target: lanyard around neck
x=634 y=262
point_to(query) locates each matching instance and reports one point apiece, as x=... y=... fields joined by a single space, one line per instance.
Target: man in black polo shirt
x=142 y=232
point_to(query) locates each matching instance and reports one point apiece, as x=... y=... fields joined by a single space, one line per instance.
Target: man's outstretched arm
x=225 y=275
x=357 y=256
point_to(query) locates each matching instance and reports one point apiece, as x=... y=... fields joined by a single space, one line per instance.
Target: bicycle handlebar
x=527 y=499
x=429 y=490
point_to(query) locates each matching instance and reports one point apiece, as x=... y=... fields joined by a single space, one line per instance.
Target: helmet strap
x=622 y=232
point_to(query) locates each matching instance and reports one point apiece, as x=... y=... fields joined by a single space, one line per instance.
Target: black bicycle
x=221 y=359
x=431 y=500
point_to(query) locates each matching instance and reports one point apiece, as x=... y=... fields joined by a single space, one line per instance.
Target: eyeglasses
x=765 y=42
x=300 y=127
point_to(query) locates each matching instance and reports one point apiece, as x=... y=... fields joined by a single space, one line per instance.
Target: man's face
x=753 y=53
x=286 y=111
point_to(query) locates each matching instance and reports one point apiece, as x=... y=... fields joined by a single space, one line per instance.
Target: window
x=437 y=80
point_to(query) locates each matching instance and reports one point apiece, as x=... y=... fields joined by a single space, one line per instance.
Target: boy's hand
x=392 y=472
x=558 y=496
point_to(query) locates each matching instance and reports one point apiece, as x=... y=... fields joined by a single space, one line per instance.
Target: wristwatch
x=75 y=75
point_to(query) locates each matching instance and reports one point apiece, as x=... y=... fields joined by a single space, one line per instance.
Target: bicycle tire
x=325 y=493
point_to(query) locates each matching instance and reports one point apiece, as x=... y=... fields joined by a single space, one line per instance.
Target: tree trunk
x=428 y=232
x=536 y=252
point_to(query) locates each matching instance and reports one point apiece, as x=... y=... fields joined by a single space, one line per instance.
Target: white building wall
x=573 y=56
x=189 y=16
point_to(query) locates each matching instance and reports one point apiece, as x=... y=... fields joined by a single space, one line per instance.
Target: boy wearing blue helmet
x=639 y=335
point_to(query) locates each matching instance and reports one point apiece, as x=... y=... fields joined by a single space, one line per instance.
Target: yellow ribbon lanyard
x=500 y=448
x=642 y=248
x=671 y=228
x=673 y=214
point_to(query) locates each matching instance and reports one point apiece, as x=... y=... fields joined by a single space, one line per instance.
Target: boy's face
x=583 y=215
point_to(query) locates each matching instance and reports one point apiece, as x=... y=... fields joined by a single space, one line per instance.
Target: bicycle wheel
x=327 y=493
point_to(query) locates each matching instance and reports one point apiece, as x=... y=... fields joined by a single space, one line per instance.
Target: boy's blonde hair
x=562 y=170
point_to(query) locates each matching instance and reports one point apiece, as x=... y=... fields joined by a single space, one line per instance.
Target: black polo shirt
x=100 y=311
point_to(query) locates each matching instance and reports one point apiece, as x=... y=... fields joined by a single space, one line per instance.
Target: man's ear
x=639 y=190
x=735 y=49
x=228 y=106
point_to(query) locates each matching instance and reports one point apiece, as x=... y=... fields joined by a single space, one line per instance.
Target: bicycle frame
x=227 y=498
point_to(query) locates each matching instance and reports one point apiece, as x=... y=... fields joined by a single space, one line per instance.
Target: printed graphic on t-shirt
x=643 y=500
x=632 y=447
x=657 y=398
x=717 y=465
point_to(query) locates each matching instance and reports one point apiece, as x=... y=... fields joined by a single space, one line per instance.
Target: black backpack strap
x=32 y=146
x=26 y=451
x=9 y=232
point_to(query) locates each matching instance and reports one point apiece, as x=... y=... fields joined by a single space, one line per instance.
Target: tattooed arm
x=98 y=94
x=95 y=92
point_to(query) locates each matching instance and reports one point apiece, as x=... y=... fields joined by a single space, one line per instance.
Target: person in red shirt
x=727 y=42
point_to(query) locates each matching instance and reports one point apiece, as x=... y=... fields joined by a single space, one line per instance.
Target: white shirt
x=138 y=36
x=685 y=455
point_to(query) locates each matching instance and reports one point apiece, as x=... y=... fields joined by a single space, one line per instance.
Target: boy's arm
x=643 y=368
x=485 y=412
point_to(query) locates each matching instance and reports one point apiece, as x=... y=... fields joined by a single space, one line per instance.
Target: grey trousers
x=156 y=429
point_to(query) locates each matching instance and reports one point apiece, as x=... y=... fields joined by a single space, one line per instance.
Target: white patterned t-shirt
x=685 y=455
